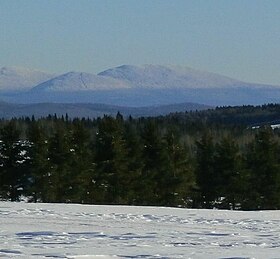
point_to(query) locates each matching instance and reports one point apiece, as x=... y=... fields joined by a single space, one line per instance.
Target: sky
x=237 y=38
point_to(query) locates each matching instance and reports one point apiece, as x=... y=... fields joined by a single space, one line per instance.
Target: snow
x=88 y=231
x=16 y=78
x=79 y=81
x=275 y=126
x=133 y=86
x=123 y=77
x=156 y=76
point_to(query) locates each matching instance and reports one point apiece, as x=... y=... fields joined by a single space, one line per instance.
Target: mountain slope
x=148 y=85
x=155 y=76
x=21 y=79
x=78 y=81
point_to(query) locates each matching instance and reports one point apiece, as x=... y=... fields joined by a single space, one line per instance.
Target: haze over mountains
x=21 y=79
x=132 y=86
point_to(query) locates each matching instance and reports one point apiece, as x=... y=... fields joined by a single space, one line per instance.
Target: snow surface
x=83 y=231
x=15 y=78
x=156 y=76
x=79 y=81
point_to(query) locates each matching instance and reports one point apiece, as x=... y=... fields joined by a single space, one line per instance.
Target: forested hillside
x=214 y=158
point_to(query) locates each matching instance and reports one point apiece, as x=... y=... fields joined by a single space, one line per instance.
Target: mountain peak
x=158 y=76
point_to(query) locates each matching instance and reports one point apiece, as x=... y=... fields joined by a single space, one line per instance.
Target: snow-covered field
x=81 y=231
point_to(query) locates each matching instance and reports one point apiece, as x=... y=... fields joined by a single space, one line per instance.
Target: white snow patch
x=79 y=81
x=36 y=231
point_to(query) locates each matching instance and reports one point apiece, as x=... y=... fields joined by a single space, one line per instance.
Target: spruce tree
x=12 y=162
x=262 y=161
x=156 y=170
x=205 y=171
x=111 y=162
x=228 y=173
x=82 y=167
x=39 y=166
x=179 y=180
x=60 y=157
x=134 y=147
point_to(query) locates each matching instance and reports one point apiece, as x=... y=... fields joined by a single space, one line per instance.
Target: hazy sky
x=238 y=38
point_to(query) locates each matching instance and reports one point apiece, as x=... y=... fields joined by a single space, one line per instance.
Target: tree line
x=196 y=159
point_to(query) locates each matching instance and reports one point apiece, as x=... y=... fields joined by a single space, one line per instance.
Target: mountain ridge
x=158 y=76
x=146 y=85
x=121 y=77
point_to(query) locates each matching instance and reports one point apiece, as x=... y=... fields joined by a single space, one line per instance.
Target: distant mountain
x=78 y=81
x=21 y=79
x=155 y=76
x=138 y=86
x=9 y=110
x=139 y=77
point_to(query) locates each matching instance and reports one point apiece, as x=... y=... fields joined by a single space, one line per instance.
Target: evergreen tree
x=179 y=180
x=227 y=170
x=145 y=161
x=12 y=161
x=82 y=168
x=39 y=166
x=262 y=162
x=60 y=157
x=156 y=168
x=205 y=171
x=111 y=162
x=134 y=148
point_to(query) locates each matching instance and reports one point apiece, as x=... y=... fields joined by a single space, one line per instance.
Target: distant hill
x=8 y=110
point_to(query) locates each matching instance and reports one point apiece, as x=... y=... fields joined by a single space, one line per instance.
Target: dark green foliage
x=206 y=175
x=39 y=166
x=111 y=159
x=12 y=162
x=227 y=166
x=180 y=177
x=262 y=162
x=208 y=159
x=59 y=157
x=82 y=168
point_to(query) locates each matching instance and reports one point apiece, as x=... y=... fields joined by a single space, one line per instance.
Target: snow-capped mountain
x=79 y=81
x=155 y=76
x=135 y=86
x=138 y=77
x=21 y=79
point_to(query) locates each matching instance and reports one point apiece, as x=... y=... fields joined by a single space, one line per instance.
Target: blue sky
x=237 y=38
